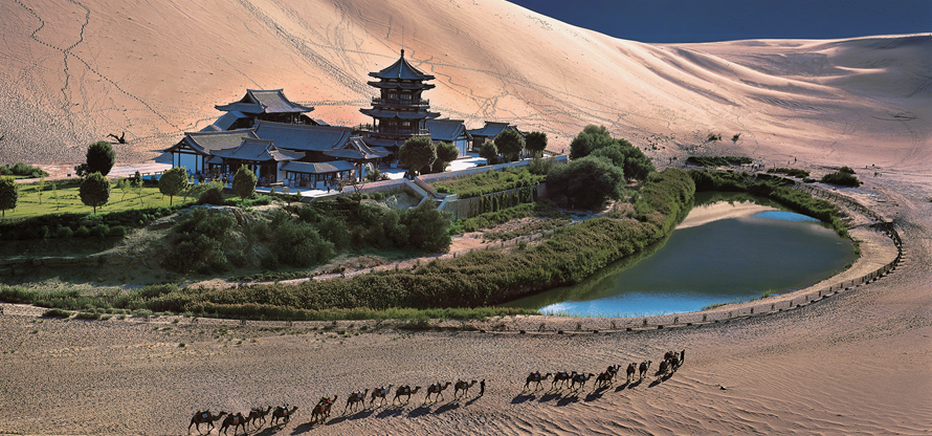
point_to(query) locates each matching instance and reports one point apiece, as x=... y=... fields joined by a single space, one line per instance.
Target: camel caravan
x=282 y=414
x=577 y=380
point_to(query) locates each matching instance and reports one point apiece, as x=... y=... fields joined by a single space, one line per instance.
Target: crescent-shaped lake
x=730 y=248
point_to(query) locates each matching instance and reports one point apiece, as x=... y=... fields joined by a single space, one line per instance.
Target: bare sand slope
x=73 y=72
x=857 y=363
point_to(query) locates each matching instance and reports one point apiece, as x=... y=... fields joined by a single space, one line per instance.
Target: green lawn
x=63 y=197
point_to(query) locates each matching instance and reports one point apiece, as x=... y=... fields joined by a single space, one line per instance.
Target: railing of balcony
x=400 y=102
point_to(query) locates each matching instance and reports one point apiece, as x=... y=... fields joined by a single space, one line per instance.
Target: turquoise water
x=731 y=259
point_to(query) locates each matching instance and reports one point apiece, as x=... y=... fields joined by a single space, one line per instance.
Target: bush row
x=489 y=182
x=66 y=225
x=717 y=161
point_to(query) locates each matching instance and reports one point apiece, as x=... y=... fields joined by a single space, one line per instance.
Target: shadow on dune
x=594 y=395
x=624 y=386
x=521 y=398
x=446 y=408
x=358 y=415
x=393 y=411
x=567 y=400
x=420 y=411
x=472 y=400
x=550 y=397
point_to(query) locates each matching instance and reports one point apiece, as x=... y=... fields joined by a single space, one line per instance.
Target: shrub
x=841 y=178
x=56 y=313
x=212 y=195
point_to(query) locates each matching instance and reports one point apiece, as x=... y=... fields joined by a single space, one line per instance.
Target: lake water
x=724 y=251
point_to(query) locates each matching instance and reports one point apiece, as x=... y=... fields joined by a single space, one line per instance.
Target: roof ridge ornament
x=402 y=52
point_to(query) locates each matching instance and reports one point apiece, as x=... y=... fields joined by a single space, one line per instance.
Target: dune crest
x=75 y=72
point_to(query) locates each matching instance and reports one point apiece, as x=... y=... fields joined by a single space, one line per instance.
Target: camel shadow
x=550 y=396
x=635 y=384
x=521 y=398
x=420 y=411
x=358 y=415
x=624 y=386
x=446 y=408
x=594 y=395
x=268 y=431
x=472 y=400
x=302 y=428
x=567 y=400
x=393 y=411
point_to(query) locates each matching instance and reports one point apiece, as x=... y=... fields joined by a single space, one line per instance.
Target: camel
x=355 y=398
x=664 y=365
x=536 y=377
x=674 y=362
x=322 y=409
x=462 y=386
x=604 y=379
x=581 y=380
x=380 y=392
x=283 y=412
x=669 y=354
x=642 y=369
x=256 y=414
x=561 y=377
x=632 y=368
x=204 y=417
x=236 y=420
x=406 y=391
x=436 y=388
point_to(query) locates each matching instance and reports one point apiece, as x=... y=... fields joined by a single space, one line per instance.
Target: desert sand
x=857 y=363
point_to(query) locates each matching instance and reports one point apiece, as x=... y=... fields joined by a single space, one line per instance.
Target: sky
x=669 y=21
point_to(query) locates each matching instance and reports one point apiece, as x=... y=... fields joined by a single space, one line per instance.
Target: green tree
x=489 y=151
x=100 y=158
x=173 y=182
x=585 y=183
x=590 y=139
x=95 y=190
x=124 y=185
x=446 y=153
x=40 y=187
x=244 y=182
x=417 y=153
x=428 y=228
x=509 y=143
x=536 y=143
x=9 y=194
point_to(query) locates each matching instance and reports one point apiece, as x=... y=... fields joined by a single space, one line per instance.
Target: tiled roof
x=376 y=142
x=402 y=70
x=491 y=129
x=262 y=101
x=403 y=115
x=257 y=150
x=303 y=137
x=208 y=141
x=357 y=149
x=401 y=85
x=317 y=167
x=446 y=129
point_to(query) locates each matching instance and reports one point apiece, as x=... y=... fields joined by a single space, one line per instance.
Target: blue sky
x=723 y=20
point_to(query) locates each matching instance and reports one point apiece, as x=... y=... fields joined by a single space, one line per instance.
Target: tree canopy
x=446 y=153
x=100 y=158
x=509 y=143
x=95 y=190
x=536 y=143
x=585 y=183
x=417 y=153
x=590 y=139
x=244 y=182
x=9 y=194
x=489 y=151
x=172 y=182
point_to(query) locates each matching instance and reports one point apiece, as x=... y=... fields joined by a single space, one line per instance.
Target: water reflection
x=724 y=251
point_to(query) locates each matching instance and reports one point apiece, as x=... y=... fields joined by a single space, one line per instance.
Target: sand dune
x=857 y=363
x=74 y=72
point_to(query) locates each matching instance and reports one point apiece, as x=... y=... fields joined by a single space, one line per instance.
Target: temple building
x=271 y=105
x=399 y=112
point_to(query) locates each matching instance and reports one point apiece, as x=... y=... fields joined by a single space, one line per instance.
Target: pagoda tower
x=399 y=112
